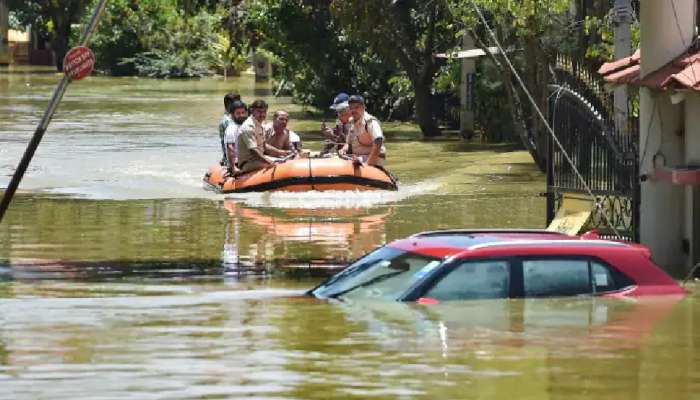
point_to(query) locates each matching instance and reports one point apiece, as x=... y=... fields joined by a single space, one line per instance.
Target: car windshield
x=385 y=273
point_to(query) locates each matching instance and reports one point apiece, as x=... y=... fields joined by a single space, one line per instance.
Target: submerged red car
x=437 y=266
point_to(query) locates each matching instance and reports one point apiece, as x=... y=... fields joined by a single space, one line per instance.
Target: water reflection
x=619 y=323
x=301 y=237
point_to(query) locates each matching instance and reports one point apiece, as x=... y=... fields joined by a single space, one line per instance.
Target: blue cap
x=339 y=99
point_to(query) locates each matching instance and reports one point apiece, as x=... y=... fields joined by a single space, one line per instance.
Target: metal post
x=4 y=33
x=41 y=129
x=622 y=20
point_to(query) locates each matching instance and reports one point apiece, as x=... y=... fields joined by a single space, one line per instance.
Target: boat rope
x=598 y=203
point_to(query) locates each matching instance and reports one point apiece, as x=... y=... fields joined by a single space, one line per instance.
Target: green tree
x=127 y=28
x=52 y=16
x=532 y=32
x=407 y=33
x=315 y=57
x=167 y=38
x=184 y=49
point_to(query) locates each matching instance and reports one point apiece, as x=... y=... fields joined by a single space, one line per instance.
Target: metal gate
x=581 y=114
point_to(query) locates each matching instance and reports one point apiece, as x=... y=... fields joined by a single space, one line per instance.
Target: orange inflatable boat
x=302 y=175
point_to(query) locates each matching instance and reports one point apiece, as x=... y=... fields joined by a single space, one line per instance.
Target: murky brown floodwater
x=120 y=277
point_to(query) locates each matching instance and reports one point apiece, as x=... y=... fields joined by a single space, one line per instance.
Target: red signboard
x=78 y=63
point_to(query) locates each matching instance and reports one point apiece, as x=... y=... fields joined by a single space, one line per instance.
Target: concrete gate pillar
x=667 y=30
x=4 y=33
x=262 y=67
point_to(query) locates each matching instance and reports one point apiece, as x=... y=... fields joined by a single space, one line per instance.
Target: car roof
x=446 y=243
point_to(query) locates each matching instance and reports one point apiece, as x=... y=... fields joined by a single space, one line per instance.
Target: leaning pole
x=50 y=110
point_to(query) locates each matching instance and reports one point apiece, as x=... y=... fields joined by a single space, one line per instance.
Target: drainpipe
x=667 y=29
x=622 y=19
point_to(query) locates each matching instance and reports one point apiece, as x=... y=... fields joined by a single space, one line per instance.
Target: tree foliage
x=383 y=49
x=407 y=33
x=52 y=18
x=315 y=57
x=533 y=32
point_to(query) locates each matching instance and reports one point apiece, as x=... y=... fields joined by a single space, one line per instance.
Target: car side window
x=556 y=277
x=487 y=279
x=607 y=278
x=603 y=280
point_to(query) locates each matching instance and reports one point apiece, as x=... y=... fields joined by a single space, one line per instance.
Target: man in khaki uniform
x=250 y=145
x=365 y=141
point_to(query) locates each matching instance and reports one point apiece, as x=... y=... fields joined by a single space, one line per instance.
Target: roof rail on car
x=562 y=243
x=477 y=231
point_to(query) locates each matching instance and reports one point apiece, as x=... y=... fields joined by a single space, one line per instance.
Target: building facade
x=666 y=69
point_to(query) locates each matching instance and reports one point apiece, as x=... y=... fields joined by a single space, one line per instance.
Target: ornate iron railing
x=582 y=115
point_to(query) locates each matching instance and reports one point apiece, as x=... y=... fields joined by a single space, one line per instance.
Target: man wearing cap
x=365 y=140
x=337 y=136
x=250 y=145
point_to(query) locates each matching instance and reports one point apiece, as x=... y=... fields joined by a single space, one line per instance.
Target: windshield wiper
x=376 y=279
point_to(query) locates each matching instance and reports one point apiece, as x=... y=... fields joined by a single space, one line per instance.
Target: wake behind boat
x=300 y=175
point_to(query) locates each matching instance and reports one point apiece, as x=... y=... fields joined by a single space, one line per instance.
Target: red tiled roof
x=621 y=63
x=681 y=73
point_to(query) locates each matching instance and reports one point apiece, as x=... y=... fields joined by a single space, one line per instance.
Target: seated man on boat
x=253 y=153
x=238 y=112
x=278 y=137
x=337 y=136
x=226 y=120
x=365 y=141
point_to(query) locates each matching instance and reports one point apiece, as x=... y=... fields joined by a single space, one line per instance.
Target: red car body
x=631 y=259
x=502 y=263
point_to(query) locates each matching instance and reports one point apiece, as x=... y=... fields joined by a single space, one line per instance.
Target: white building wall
x=692 y=157
x=667 y=29
x=662 y=203
x=662 y=39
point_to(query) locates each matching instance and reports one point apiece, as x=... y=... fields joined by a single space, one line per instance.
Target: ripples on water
x=120 y=278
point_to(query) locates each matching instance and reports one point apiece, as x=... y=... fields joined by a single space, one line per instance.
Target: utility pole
x=622 y=20
x=4 y=33
x=466 y=95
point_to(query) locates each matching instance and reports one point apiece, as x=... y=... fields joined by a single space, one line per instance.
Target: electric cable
x=598 y=203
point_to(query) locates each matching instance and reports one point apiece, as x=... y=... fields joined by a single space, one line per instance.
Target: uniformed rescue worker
x=365 y=141
x=251 y=147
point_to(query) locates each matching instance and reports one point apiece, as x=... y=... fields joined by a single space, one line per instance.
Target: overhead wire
x=680 y=34
x=598 y=203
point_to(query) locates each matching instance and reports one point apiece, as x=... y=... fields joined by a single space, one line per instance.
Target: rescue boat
x=301 y=175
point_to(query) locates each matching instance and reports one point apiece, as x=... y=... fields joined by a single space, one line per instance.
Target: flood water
x=120 y=277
